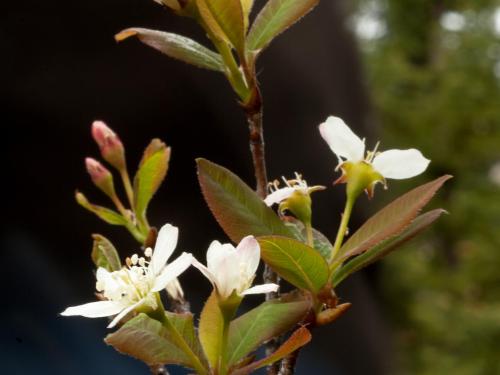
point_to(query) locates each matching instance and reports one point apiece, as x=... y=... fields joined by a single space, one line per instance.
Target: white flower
x=279 y=195
x=233 y=269
x=136 y=284
x=395 y=164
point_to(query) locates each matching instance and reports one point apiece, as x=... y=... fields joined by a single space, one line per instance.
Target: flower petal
x=400 y=164
x=97 y=309
x=171 y=271
x=248 y=251
x=165 y=246
x=278 y=196
x=205 y=271
x=263 y=288
x=124 y=312
x=342 y=141
x=174 y=288
x=216 y=253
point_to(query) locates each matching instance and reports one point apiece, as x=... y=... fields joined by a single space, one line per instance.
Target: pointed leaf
x=152 y=171
x=176 y=46
x=246 y=6
x=390 y=220
x=380 y=250
x=270 y=319
x=274 y=18
x=296 y=262
x=298 y=339
x=104 y=254
x=105 y=214
x=235 y=206
x=210 y=330
x=149 y=341
x=225 y=19
x=320 y=242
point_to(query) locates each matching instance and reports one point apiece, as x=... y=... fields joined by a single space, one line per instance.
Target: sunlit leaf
x=210 y=330
x=235 y=206
x=104 y=254
x=390 y=220
x=296 y=262
x=152 y=171
x=270 y=319
x=177 y=47
x=246 y=6
x=385 y=247
x=274 y=18
x=298 y=339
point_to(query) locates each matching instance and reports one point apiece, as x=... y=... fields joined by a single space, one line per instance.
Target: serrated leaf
x=235 y=206
x=210 y=330
x=225 y=19
x=105 y=214
x=320 y=242
x=294 y=261
x=176 y=46
x=149 y=341
x=104 y=254
x=274 y=18
x=152 y=170
x=298 y=339
x=380 y=250
x=391 y=219
x=270 y=319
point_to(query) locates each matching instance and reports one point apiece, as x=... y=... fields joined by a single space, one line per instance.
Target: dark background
x=61 y=70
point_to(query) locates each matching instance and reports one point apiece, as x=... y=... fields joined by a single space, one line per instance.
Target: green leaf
x=152 y=170
x=176 y=46
x=274 y=18
x=298 y=339
x=390 y=220
x=149 y=341
x=105 y=214
x=270 y=319
x=235 y=206
x=385 y=247
x=297 y=263
x=210 y=330
x=246 y=6
x=320 y=242
x=225 y=19
x=104 y=254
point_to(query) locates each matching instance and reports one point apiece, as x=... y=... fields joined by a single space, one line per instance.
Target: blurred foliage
x=434 y=76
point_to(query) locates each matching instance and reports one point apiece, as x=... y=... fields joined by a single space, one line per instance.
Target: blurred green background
x=433 y=72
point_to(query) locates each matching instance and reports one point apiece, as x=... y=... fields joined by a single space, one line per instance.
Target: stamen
x=134 y=259
x=148 y=252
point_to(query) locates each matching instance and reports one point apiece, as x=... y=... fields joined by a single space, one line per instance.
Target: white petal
x=248 y=251
x=174 y=288
x=400 y=164
x=228 y=276
x=342 y=141
x=204 y=270
x=171 y=271
x=216 y=253
x=165 y=246
x=278 y=196
x=124 y=312
x=97 y=309
x=264 y=288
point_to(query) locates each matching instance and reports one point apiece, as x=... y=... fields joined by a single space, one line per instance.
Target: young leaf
x=109 y=216
x=176 y=46
x=152 y=171
x=391 y=220
x=270 y=319
x=210 y=330
x=320 y=242
x=274 y=18
x=235 y=206
x=104 y=254
x=246 y=6
x=225 y=20
x=149 y=341
x=296 y=262
x=385 y=247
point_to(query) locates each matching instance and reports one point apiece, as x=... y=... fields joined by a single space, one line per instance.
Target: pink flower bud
x=110 y=144
x=101 y=176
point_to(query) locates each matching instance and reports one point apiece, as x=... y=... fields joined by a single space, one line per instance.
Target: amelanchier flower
x=231 y=269
x=135 y=286
x=374 y=166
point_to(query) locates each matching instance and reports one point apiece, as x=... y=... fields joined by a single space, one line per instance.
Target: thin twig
x=288 y=363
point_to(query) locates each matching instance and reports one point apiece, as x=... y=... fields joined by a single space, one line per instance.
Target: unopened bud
x=110 y=144
x=101 y=177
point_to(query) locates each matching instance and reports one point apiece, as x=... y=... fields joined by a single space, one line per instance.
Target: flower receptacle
x=359 y=177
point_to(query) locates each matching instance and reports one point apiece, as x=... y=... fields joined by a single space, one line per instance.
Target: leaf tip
x=124 y=34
